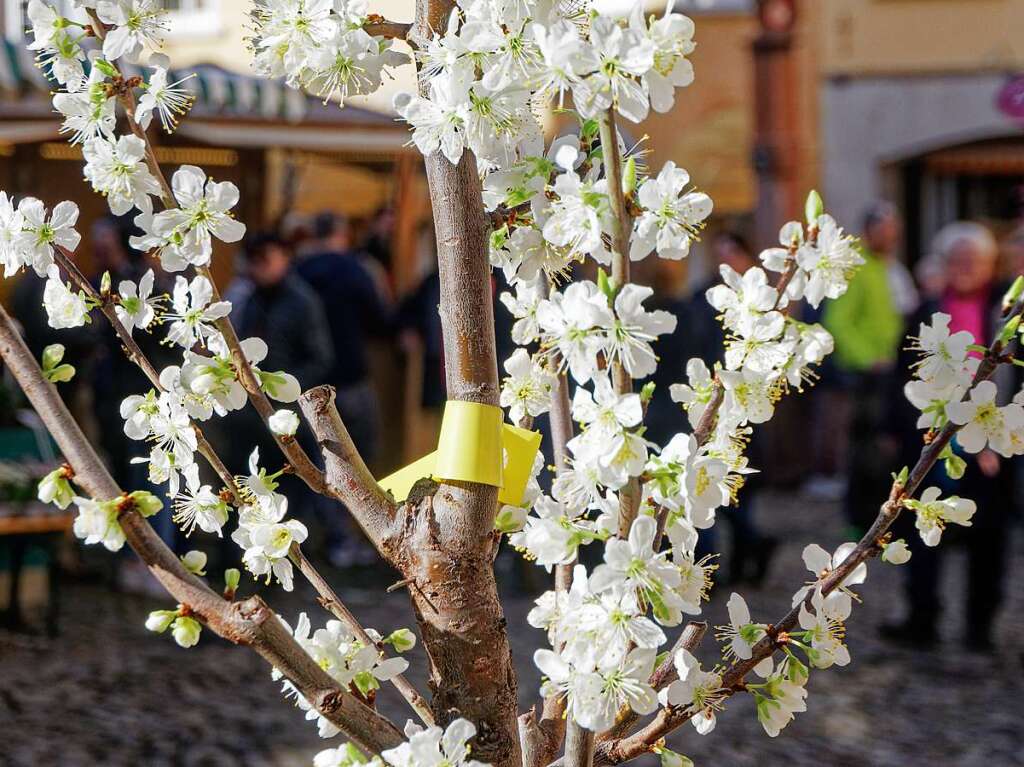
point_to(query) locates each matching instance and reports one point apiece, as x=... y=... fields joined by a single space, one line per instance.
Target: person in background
x=421 y=339
x=699 y=334
x=973 y=301
x=356 y=311
x=868 y=324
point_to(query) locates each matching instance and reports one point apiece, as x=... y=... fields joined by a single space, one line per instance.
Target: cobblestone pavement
x=108 y=693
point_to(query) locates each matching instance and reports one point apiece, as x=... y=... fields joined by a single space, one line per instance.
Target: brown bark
x=444 y=542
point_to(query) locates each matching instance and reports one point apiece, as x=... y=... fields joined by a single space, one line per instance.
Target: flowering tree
x=503 y=198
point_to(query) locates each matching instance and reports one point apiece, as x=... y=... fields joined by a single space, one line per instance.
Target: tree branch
x=250 y=622
x=377 y=26
x=629 y=495
x=329 y=599
x=579 y=745
x=623 y=749
x=347 y=478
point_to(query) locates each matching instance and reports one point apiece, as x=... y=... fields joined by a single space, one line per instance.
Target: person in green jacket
x=868 y=324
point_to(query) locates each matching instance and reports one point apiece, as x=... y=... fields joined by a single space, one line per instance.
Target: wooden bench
x=20 y=531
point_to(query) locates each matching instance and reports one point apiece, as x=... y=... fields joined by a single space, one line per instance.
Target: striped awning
x=218 y=93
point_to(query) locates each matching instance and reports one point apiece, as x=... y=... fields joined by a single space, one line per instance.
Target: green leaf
x=60 y=374
x=901 y=478
x=814 y=208
x=589 y=129
x=1009 y=329
x=606 y=285
x=105 y=67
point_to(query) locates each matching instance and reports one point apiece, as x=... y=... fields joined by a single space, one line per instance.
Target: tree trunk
x=444 y=542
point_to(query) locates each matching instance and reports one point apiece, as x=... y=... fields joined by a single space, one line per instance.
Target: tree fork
x=444 y=542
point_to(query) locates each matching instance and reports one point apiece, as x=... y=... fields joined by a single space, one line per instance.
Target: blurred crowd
x=320 y=290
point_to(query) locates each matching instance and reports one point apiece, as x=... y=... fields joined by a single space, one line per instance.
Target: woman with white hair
x=968 y=254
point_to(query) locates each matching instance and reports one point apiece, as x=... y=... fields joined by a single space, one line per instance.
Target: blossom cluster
x=497 y=62
x=588 y=200
x=321 y=45
x=424 y=746
x=348 y=660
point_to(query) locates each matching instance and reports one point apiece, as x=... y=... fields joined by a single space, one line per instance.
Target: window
x=15 y=16
x=192 y=18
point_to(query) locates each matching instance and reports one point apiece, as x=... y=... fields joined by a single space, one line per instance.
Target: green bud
x=232 y=576
x=195 y=562
x=160 y=620
x=902 y=477
x=365 y=682
x=1011 y=296
x=105 y=67
x=105 y=284
x=510 y=519
x=647 y=392
x=186 y=631
x=353 y=755
x=814 y=208
x=52 y=355
x=401 y=639
x=629 y=176
x=606 y=285
x=955 y=466
x=146 y=503
x=670 y=758
x=1009 y=329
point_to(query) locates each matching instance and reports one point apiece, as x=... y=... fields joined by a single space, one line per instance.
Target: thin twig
x=668 y=719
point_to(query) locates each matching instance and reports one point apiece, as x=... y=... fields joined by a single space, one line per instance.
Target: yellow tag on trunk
x=474 y=446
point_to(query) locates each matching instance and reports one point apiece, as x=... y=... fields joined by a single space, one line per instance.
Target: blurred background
x=908 y=116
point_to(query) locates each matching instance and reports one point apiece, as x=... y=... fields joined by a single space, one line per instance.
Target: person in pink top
x=970 y=296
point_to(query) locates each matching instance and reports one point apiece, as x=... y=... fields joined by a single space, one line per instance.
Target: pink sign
x=1010 y=100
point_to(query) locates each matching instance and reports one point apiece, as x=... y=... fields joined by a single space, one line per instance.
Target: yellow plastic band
x=474 y=446
x=469 y=448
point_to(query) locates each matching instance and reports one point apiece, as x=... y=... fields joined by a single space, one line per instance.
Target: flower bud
x=160 y=620
x=54 y=488
x=284 y=423
x=895 y=553
x=146 y=503
x=186 y=631
x=195 y=562
x=401 y=639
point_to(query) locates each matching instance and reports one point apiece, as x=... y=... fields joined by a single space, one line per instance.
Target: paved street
x=108 y=693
